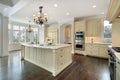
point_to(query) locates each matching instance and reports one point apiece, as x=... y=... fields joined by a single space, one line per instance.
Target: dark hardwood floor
x=82 y=68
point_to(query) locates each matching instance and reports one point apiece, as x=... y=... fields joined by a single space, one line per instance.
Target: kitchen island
x=52 y=58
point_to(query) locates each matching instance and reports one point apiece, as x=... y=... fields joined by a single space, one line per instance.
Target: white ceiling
x=6 y=6
x=76 y=8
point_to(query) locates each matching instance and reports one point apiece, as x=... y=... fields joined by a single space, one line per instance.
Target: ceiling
x=7 y=5
x=66 y=9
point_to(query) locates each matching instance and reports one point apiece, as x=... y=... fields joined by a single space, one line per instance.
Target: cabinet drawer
x=61 y=50
x=59 y=56
x=88 y=47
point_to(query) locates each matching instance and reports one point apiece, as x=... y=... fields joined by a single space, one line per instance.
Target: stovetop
x=117 y=49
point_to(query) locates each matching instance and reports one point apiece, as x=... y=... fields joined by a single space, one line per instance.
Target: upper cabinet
x=80 y=25
x=93 y=28
x=113 y=13
x=52 y=33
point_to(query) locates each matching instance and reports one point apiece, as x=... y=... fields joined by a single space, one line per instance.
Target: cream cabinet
x=80 y=25
x=97 y=50
x=93 y=28
x=62 y=57
x=22 y=51
x=53 y=60
x=103 y=50
x=52 y=33
x=91 y=49
x=116 y=34
x=117 y=69
x=113 y=11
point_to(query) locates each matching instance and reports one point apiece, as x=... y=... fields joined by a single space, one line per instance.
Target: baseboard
x=79 y=54
x=97 y=57
x=14 y=50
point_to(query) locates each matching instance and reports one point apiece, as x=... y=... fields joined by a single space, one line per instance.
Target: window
x=16 y=35
x=107 y=29
x=35 y=34
x=19 y=34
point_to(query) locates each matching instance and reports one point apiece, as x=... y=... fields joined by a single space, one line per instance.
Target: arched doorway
x=65 y=34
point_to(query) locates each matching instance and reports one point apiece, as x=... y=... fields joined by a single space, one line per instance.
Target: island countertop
x=57 y=46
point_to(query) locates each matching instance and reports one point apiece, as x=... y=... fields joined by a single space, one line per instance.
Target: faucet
x=91 y=40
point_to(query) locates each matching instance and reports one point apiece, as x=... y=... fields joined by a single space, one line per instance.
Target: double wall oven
x=79 y=40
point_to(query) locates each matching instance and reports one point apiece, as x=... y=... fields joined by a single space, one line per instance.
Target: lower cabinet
x=117 y=69
x=95 y=49
x=103 y=51
x=53 y=60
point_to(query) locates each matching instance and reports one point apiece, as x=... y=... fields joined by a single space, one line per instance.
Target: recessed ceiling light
x=55 y=5
x=94 y=6
x=67 y=13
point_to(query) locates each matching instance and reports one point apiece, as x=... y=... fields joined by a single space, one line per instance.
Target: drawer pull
x=61 y=56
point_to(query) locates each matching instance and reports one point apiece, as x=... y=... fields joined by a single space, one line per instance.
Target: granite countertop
x=45 y=46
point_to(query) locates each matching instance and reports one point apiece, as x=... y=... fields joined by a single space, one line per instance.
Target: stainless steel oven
x=79 y=40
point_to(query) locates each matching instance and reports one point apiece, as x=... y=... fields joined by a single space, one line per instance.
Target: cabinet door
x=80 y=25
x=22 y=51
x=89 y=29
x=95 y=48
x=77 y=26
x=97 y=28
x=27 y=55
x=88 y=48
x=103 y=50
x=94 y=28
x=52 y=34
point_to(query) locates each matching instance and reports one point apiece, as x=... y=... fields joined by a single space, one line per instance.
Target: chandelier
x=40 y=18
x=29 y=29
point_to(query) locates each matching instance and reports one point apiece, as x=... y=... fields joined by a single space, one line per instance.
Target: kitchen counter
x=98 y=43
x=53 y=58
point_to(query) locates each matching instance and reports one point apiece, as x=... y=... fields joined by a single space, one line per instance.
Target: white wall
x=41 y=34
x=62 y=34
x=71 y=22
x=3 y=36
x=0 y=34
